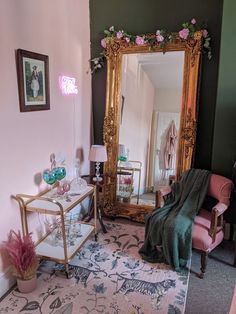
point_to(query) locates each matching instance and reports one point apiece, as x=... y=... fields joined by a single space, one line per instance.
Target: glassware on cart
x=62 y=190
x=49 y=177
x=72 y=230
x=55 y=173
x=60 y=173
x=78 y=185
x=66 y=188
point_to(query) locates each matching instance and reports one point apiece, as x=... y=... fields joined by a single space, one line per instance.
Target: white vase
x=27 y=286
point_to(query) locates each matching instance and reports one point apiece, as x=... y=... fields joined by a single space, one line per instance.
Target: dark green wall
x=224 y=147
x=139 y=16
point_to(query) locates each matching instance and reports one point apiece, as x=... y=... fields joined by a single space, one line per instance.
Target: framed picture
x=33 y=80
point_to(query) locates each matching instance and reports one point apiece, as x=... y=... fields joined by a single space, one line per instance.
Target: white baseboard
x=6 y=281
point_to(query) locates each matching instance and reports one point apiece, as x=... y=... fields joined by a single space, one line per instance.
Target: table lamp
x=98 y=153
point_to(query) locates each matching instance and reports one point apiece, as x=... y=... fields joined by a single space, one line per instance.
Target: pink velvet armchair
x=207 y=231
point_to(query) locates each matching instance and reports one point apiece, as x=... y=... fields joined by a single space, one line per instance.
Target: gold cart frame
x=25 y=203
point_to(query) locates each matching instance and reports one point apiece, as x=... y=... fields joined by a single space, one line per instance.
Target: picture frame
x=33 y=80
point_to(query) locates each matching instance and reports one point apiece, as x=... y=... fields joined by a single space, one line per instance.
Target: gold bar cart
x=44 y=203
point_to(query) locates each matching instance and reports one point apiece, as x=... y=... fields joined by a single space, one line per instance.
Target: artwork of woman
x=35 y=81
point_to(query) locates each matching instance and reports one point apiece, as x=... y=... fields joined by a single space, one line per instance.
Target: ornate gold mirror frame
x=115 y=49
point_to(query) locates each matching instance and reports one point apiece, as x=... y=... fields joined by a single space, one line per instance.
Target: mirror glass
x=150 y=111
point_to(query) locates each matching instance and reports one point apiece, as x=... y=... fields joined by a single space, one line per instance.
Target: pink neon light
x=67 y=85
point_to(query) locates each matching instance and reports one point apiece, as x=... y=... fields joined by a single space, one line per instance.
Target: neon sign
x=67 y=85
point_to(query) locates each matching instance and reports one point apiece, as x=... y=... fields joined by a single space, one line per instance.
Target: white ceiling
x=164 y=70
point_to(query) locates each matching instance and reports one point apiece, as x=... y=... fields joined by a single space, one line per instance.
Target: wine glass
x=66 y=188
x=60 y=173
x=49 y=177
x=60 y=190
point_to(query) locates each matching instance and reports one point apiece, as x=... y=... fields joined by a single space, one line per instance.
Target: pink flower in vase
x=127 y=181
x=139 y=41
x=184 y=33
x=193 y=21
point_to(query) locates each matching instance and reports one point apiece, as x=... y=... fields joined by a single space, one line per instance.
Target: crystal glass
x=49 y=177
x=60 y=190
x=60 y=173
x=78 y=185
x=66 y=188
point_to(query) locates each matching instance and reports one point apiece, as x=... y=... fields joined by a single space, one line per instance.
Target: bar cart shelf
x=66 y=235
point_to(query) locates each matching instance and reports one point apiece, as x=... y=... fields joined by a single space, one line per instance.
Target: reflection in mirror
x=150 y=107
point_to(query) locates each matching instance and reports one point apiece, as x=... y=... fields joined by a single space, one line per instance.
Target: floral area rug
x=109 y=277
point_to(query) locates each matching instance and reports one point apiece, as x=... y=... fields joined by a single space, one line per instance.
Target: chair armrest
x=161 y=195
x=220 y=208
x=217 y=219
x=165 y=190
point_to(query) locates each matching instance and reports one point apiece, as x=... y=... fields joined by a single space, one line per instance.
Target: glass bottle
x=78 y=185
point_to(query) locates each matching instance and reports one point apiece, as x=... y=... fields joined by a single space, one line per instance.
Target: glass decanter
x=78 y=185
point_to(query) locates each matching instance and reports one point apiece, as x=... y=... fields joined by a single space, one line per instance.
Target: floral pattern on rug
x=109 y=277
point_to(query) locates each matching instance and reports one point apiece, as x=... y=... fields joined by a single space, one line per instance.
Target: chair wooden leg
x=234 y=238
x=204 y=256
x=235 y=253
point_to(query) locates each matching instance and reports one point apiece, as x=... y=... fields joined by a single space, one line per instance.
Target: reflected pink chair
x=207 y=231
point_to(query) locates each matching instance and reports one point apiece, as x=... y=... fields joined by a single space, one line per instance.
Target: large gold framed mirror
x=150 y=120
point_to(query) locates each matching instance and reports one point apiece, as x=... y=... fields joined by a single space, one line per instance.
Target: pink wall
x=59 y=29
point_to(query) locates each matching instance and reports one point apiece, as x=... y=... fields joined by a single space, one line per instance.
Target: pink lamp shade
x=98 y=153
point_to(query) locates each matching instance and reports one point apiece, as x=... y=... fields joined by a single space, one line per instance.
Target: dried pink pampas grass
x=21 y=251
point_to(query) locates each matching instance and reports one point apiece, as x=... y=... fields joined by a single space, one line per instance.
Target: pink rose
x=204 y=33
x=159 y=38
x=119 y=34
x=139 y=41
x=103 y=43
x=193 y=21
x=111 y=29
x=184 y=33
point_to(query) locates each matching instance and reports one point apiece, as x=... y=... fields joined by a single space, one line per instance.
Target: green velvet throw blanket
x=168 y=233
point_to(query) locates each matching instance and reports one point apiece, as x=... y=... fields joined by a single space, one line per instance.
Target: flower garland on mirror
x=161 y=38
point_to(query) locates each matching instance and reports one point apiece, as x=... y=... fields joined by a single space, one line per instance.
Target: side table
x=132 y=167
x=99 y=200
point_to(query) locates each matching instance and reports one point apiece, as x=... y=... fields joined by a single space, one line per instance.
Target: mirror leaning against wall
x=150 y=120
